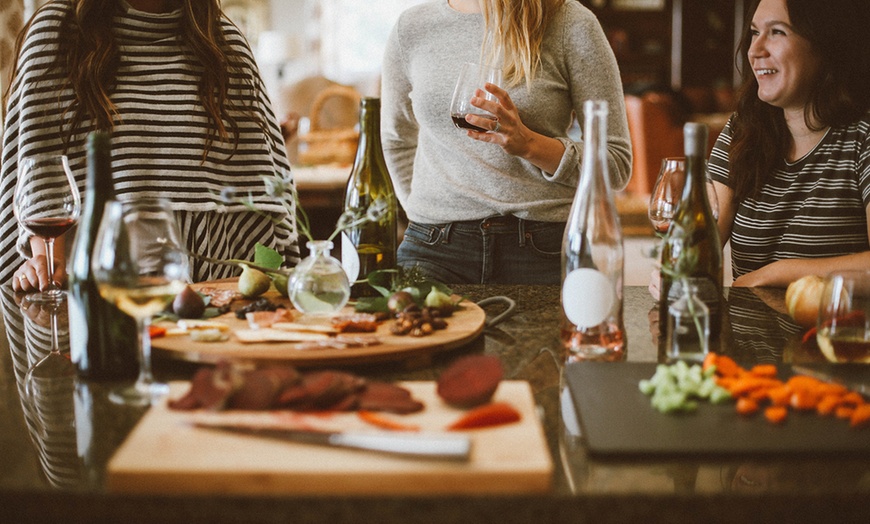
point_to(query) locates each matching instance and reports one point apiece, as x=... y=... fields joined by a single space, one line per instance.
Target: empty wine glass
x=472 y=77
x=668 y=190
x=139 y=265
x=46 y=203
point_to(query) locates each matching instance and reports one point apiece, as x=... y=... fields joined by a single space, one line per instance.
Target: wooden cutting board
x=462 y=327
x=165 y=454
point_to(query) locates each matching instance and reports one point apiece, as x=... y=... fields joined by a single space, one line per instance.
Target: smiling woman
x=790 y=168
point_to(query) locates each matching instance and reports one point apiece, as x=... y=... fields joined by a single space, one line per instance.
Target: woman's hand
x=33 y=274
x=655 y=284
x=509 y=132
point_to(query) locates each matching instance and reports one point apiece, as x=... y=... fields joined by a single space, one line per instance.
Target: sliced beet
x=470 y=380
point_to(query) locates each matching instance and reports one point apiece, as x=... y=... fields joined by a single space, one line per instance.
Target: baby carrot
x=776 y=414
x=746 y=406
x=492 y=414
x=860 y=417
x=383 y=422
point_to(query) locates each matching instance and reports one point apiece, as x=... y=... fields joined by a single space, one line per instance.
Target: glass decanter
x=319 y=285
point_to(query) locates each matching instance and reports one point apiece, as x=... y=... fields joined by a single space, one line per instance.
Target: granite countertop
x=43 y=478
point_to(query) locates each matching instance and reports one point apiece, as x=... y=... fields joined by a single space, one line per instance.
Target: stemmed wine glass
x=46 y=203
x=471 y=78
x=139 y=265
x=49 y=388
x=668 y=190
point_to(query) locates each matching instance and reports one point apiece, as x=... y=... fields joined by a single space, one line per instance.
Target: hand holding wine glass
x=46 y=203
x=139 y=265
x=472 y=78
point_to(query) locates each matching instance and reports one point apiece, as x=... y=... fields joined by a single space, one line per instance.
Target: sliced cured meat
x=261 y=387
x=383 y=396
x=210 y=388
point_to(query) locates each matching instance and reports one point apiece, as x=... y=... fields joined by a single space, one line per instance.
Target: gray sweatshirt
x=442 y=175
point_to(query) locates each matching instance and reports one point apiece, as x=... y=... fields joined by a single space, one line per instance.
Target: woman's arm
x=783 y=272
x=727 y=210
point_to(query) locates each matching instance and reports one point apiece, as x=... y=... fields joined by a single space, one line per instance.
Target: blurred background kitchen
x=317 y=57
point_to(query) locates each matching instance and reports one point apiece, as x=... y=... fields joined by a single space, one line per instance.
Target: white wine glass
x=843 y=328
x=46 y=203
x=140 y=265
x=471 y=78
x=668 y=190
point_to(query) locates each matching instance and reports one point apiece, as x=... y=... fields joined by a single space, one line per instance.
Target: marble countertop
x=46 y=477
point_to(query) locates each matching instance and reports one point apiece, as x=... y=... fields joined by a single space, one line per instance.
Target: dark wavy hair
x=837 y=32
x=90 y=58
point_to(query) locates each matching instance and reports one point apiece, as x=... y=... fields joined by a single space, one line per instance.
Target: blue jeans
x=495 y=250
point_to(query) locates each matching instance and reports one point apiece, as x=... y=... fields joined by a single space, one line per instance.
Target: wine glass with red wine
x=47 y=203
x=472 y=78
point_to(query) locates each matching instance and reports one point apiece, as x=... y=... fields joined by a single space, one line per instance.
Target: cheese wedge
x=305 y=328
x=191 y=324
x=251 y=336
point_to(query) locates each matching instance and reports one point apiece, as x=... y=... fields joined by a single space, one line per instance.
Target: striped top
x=159 y=139
x=812 y=208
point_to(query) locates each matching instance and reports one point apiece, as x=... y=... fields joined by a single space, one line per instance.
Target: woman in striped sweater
x=792 y=168
x=175 y=83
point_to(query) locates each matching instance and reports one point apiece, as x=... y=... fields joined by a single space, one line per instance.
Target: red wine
x=460 y=122
x=48 y=227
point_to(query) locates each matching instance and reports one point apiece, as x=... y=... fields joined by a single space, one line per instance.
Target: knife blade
x=829 y=376
x=430 y=446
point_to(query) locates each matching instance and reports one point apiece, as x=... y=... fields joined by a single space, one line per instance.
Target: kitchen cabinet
x=676 y=43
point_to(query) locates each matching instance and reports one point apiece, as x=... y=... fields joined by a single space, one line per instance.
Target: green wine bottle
x=102 y=338
x=691 y=251
x=370 y=245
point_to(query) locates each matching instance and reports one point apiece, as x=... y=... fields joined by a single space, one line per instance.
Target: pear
x=280 y=280
x=253 y=282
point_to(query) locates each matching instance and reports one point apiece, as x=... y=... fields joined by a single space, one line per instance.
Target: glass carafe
x=319 y=285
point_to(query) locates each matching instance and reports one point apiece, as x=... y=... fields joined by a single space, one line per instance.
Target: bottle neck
x=99 y=184
x=595 y=144
x=369 y=126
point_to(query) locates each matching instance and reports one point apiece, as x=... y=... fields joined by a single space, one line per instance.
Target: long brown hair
x=837 y=33
x=516 y=29
x=90 y=58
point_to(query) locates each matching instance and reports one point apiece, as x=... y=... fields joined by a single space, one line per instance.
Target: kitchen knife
x=853 y=383
x=431 y=446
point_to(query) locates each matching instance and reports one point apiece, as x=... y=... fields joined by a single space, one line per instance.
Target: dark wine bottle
x=691 y=251
x=370 y=245
x=102 y=338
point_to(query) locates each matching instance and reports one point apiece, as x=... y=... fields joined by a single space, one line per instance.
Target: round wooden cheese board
x=462 y=327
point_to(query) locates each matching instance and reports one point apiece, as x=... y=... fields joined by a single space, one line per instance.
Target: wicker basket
x=329 y=146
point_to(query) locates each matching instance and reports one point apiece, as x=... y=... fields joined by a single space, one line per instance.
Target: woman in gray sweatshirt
x=490 y=207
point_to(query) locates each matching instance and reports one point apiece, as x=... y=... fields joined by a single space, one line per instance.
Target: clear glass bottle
x=592 y=255
x=369 y=246
x=691 y=251
x=319 y=285
x=688 y=328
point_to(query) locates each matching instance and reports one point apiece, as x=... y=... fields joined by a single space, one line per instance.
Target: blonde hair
x=514 y=32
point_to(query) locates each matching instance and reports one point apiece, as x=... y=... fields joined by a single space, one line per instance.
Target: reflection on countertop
x=59 y=443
